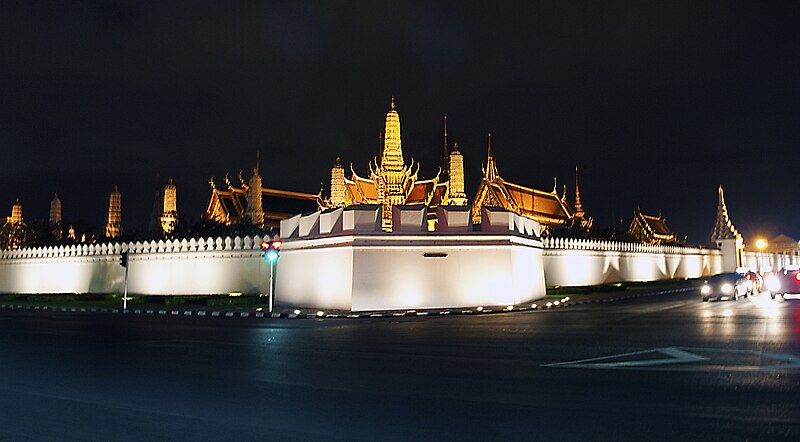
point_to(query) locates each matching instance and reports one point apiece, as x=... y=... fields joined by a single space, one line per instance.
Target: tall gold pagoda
x=548 y=208
x=114 y=214
x=392 y=182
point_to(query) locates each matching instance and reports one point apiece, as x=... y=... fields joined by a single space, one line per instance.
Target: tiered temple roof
x=229 y=206
x=547 y=208
x=649 y=229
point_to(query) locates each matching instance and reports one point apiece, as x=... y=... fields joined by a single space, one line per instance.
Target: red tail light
x=797 y=276
x=748 y=277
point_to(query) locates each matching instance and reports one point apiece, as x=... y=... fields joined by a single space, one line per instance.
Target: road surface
x=656 y=368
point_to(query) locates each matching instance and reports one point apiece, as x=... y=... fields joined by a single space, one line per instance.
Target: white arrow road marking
x=676 y=355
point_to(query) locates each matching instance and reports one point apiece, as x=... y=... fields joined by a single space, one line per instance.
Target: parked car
x=725 y=286
x=784 y=283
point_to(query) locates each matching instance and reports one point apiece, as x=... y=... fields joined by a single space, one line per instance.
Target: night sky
x=658 y=102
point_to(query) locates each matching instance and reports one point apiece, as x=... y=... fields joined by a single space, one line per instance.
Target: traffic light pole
x=125 y=293
x=271 y=292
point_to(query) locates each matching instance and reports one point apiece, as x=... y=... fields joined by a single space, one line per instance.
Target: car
x=784 y=283
x=754 y=280
x=725 y=286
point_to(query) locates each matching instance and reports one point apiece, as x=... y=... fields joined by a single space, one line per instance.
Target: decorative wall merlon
x=138 y=247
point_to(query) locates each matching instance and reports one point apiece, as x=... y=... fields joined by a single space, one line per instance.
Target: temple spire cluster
x=392 y=182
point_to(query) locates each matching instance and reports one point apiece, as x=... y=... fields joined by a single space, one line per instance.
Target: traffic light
x=271 y=249
x=123 y=259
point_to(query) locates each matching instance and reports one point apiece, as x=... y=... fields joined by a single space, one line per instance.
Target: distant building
x=254 y=204
x=649 y=229
x=392 y=182
x=547 y=208
x=55 y=218
x=783 y=244
x=114 y=216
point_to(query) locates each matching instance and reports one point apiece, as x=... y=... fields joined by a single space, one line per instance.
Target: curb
x=549 y=305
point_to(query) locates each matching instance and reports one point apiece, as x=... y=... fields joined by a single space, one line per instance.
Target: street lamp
x=761 y=244
x=272 y=251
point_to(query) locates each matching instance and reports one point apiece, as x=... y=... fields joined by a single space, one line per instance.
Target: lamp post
x=123 y=261
x=271 y=255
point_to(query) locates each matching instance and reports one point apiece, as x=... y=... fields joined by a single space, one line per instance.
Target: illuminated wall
x=574 y=262
x=342 y=259
x=404 y=271
x=764 y=261
x=197 y=266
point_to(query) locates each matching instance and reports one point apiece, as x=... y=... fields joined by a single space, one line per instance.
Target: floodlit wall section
x=394 y=271
x=196 y=266
x=575 y=262
x=764 y=262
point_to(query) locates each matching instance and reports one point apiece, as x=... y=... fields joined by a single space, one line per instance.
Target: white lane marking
x=684 y=355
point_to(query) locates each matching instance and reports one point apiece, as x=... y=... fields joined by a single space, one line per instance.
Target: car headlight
x=772 y=283
x=705 y=290
x=727 y=288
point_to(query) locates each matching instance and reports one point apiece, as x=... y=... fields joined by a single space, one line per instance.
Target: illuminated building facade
x=547 y=208
x=55 y=218
x=114 y=218
x=255 y=204
x=392 y=182
x=649 y=229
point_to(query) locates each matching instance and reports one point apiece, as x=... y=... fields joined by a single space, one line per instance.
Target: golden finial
x=392 y=102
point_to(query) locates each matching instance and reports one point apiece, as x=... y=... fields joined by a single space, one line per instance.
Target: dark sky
x=658 y=102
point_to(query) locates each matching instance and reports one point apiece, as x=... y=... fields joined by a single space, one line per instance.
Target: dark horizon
x=658 y=104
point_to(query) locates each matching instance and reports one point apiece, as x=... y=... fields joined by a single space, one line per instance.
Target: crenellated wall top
x=619 y=246
x=209 y=244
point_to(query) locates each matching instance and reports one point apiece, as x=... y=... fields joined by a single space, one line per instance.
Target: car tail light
x=748 y=277
x=797 y=276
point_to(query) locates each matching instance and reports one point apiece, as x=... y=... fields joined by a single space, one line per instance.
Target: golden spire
x=578 y=206
x=392 y=155
x=491 y=167
x=258 y=160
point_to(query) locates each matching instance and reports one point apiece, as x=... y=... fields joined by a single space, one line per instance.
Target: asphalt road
x=689 y=371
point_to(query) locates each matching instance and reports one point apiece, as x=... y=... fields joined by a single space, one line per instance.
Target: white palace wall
x=340 y=259
x=196 y=266
x=577 y=262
